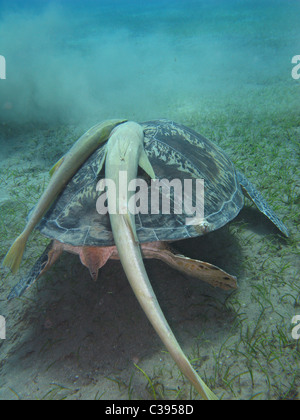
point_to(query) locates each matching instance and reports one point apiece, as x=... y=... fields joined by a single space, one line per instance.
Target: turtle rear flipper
x=250 y=191
x=42 y=264
x=201 y=270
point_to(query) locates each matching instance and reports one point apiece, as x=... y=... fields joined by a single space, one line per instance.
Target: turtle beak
x=124 y=153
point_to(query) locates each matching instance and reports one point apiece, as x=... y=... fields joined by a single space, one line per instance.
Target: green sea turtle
x=164 y=151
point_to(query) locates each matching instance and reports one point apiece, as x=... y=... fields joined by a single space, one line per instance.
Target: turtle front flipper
x=42 y=264
x=250 y=191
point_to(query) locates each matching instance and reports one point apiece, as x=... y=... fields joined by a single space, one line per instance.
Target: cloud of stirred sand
x=68 y=65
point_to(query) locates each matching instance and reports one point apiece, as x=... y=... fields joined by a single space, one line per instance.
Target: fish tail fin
x=207 y=393
x=14 y=256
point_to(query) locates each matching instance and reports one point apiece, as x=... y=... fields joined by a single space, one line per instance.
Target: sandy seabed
x=71 y=338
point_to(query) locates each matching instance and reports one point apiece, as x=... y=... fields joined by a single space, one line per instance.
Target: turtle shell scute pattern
x=175 y=152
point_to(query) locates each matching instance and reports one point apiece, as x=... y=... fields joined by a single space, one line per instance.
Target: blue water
x=94 y=59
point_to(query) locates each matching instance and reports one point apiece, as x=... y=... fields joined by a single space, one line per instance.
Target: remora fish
x=125 y=152
x=62 y=173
